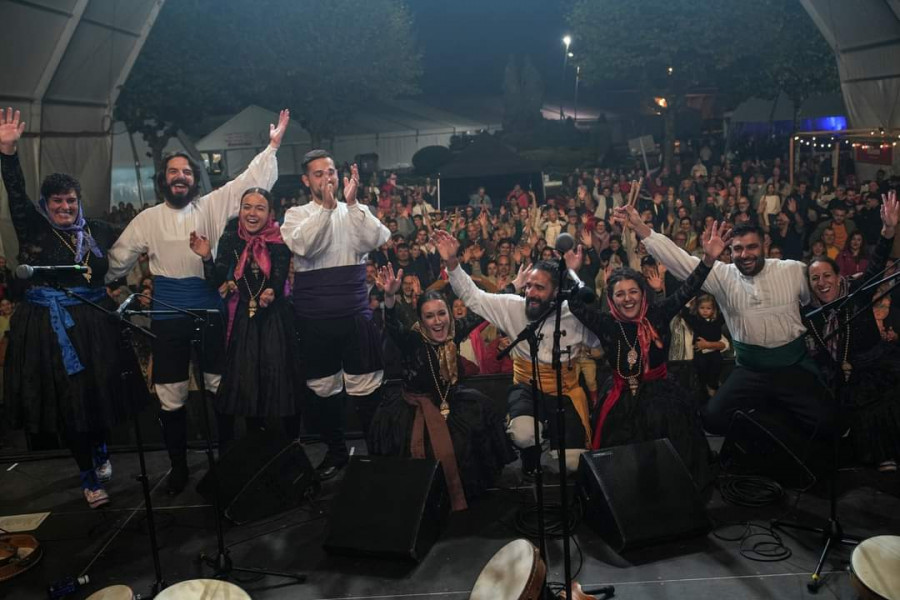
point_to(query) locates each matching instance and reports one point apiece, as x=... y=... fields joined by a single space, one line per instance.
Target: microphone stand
x=221 y=562
x=561 y=427
x=531 y=335
x=833 y=532
x=130 y=379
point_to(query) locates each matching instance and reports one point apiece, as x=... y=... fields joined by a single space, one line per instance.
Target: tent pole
x=439 y=192
x=137 y=170
x=543 y=189
x=791 y=159
x=835 y=161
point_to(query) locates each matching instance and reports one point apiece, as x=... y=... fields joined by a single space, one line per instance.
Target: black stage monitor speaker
x=751 y=447
x=262 y=474
x=640 y=494
x=388 y=507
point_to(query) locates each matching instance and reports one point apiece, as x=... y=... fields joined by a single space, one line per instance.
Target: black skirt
x=875 y=422
x=42 y=397
x=477 y=430
x=262 y=372
x=661 y=409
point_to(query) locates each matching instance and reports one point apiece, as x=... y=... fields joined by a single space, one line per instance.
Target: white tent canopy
x=395 y=131
x=865 y=36
x=62 y=63
x=761 y=110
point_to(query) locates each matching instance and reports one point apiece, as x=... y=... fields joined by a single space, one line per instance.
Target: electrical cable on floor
x=749 y=490
x=526 y=519
x=759 y=543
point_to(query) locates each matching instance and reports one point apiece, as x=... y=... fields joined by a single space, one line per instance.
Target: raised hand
x=267 y=297
x=11 y=129
x=277 y=133
x=607 y=272
x=351 y=185
x=521 y=276
x=390 y=282
x=447 y=246
x=632 y=218
x=329 y=202
x=200 y=245
x=889 y=213
x=586 y=238
x=715 y=238
x=574 y=259
x=655 y=281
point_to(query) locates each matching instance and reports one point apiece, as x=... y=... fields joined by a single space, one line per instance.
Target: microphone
x=120 y=312
x=564 y=243
x=29 y=271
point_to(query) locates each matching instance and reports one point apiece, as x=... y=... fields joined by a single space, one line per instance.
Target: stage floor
x=112 y=545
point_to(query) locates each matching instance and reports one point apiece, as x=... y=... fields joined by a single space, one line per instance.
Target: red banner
x=875 y=154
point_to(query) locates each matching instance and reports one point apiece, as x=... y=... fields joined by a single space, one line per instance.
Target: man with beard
x=163 y=232
x=760 y=300
x=339 y=345
x=511 y=313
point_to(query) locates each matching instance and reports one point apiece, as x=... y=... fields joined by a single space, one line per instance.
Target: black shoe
x=530 y=457
x=330 y=466
x=178 y=478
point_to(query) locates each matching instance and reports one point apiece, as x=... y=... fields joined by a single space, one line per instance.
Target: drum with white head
x=516 y=572
x=203 y=589
x=875 y=568
x=113 y=592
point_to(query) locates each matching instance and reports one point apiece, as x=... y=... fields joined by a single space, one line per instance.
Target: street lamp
x=567 y=40
x=577 y=79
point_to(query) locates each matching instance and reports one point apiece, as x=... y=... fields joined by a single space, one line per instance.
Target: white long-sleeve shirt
x=507 y=312
x=164 y=232
x=322 y=238
x=763 y=310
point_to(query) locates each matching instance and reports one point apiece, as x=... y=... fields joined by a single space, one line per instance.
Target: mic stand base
x=223 y=568
x=221 y=562
x=832 y=535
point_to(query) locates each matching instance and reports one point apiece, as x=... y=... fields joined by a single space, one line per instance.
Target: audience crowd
x=499 y=236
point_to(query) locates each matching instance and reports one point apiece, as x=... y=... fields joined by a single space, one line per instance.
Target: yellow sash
x=547 y=383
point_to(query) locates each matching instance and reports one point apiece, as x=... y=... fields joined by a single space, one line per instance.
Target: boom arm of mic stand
x=528 y=331
x=846 y=299
x=840 y=302
x=142 y=330
x=189 y=313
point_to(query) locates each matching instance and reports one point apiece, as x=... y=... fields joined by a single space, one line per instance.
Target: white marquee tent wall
x=62 y=63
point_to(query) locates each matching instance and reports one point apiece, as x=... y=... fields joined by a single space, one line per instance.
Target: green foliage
x=742 y=48
x=523 y=95
x=323 y=60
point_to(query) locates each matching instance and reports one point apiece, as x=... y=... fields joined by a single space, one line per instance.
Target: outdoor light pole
x=567 y=40
x=577 y=79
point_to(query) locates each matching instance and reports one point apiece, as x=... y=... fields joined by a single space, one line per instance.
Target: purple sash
x=332 y=293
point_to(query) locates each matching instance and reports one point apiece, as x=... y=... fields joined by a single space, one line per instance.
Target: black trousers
x=708 y=367
x=793 y=396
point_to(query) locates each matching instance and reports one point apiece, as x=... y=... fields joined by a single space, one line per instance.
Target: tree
x=323 y=60
x=669 y=47
x=523 y=95
x=178 y=79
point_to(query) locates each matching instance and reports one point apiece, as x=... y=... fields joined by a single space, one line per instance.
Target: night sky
x=466 y=43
